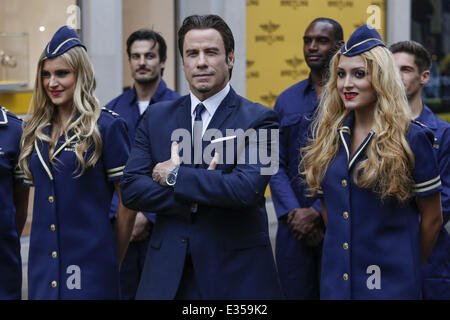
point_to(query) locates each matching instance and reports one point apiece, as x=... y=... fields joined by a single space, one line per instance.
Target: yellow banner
x=18 y=102
x=275 y=30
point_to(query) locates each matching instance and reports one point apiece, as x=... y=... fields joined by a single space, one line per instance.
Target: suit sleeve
x=138 y=190
x=244 y=186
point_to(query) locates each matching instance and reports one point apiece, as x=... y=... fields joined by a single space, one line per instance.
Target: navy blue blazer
x=371 y=248
x=73 y=254
x=10 y=174
x=227 y=235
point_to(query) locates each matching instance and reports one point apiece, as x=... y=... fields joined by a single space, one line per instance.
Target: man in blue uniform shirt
x=13 y=206
x=147 y=52
x=414 y=63
x=300 y=230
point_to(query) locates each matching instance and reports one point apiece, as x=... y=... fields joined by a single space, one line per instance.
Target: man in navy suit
x=210 y=240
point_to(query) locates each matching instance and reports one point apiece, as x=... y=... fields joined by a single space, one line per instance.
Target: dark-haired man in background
x=147 y=53
x=414 y=63
x=300 y=228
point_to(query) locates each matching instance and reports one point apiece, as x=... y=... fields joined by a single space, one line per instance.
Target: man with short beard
x=300 y=227
x=146 y=51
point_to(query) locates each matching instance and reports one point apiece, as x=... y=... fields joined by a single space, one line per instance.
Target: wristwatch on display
x=171 y=177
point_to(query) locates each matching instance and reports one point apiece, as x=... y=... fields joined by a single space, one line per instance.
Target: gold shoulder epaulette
x=419 y=123
x=110 y=111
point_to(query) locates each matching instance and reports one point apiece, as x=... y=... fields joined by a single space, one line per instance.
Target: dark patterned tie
x=197 y=133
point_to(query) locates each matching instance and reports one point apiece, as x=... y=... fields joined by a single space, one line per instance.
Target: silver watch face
x=171 y=178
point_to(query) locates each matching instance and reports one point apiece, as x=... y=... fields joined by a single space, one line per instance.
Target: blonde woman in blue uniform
x=13 y=206
x=376 y=175
x=73 y=152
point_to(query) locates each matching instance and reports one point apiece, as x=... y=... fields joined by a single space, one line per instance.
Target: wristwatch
x=171 y=177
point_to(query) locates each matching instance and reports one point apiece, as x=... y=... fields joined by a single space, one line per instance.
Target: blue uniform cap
x=362 y=39
x=64 y=39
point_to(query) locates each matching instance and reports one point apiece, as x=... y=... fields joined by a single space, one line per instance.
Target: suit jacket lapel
x=42 y=153
x=184 y=121
x=218 y=121
x=224 y=110
x=184 y=114
x=66 y=143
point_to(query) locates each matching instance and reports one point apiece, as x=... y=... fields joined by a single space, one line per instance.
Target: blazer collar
x=41 y=148
x=183 y=114
x=157 y=96
x=71 y=138
x=226 y=107
x=345 y=134
x=224 y=110
x=159 y=93
x=427 y=118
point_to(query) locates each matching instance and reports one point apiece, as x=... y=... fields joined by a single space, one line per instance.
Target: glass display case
x=13 y=60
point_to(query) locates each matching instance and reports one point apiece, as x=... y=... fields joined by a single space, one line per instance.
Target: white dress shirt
x=211 y=104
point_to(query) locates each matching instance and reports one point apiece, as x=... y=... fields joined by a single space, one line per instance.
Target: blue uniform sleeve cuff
x=428 y=187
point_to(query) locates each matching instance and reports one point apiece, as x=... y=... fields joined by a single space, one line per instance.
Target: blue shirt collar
x=309 y=85
x=157 y=96
x=310 y=91
x=159 y=93
x=309 y=88
x=427 y=118
x=344 y=134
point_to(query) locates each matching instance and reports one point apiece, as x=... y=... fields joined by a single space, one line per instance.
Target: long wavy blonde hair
x=388 y=167
x=85 y=114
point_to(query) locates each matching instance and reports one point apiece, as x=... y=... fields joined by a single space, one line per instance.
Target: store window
x=431 y=27
x=25 y=28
